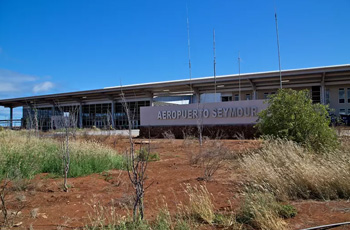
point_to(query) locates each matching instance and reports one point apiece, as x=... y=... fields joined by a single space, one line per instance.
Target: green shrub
x=144 y=155
x=292 y=115
x=287 y=211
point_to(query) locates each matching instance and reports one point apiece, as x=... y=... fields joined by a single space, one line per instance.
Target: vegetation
x=292 y=115
x=30 y=156
x=200 y=203
x=290 y=171
x=197 y=212
x=262 y=211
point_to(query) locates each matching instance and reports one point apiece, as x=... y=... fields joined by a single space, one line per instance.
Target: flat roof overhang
x=329 y=75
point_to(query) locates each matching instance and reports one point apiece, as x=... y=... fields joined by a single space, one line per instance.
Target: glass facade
x=44 y=116
x=93 y=115
x=121 y=120
x=97 y=115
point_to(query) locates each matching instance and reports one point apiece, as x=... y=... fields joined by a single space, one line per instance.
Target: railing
x=16 y=123
x=329 y=226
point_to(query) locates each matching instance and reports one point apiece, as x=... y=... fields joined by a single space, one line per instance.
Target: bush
x=144 y=155
x=211 y=158
x=292 y=115
x=290 y=171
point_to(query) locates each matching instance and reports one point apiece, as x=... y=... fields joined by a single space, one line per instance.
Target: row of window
x=343 y=112
x=247 y=97
x=342 y=95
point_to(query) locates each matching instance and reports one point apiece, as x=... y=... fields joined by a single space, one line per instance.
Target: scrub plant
x=211 y=159
x=292 y=115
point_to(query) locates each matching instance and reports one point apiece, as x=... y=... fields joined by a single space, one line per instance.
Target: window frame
x=341 y=97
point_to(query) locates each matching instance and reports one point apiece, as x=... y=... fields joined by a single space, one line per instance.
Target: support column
x=254 y=96
x=52 y=114
x=113 y=114
x=11 y=117
x=151 y=100
x=322 y=90
x=198 y=95
x=81 y=115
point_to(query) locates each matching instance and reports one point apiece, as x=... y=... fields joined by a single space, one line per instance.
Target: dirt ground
x=48 y=207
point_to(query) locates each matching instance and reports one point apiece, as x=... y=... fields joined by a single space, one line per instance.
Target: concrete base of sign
x=212 y=131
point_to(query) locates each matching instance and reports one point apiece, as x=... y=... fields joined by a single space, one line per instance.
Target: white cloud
x=15 y=77
x=14 y=84
x=7 y=87
x=43 y=87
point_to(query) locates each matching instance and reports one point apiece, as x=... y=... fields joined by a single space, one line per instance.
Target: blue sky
x=60 y=46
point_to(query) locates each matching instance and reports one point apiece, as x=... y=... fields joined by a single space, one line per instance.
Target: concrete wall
x=334 y=99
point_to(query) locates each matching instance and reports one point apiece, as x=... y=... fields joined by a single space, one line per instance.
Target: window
x=348 y=111
x=348 y=95
x=226 y=98
x=266 y=95
x=342 y=112
x=236 y=97
x=327 y=96
x=247 y=96
x=341 y=95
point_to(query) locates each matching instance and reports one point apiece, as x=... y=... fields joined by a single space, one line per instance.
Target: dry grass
x=200 y=203
x=289 y=171
x=261 y=211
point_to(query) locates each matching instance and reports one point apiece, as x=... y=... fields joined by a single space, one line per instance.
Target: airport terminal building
x=225 y=100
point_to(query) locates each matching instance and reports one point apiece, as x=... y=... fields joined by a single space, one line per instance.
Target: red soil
x=166 y=178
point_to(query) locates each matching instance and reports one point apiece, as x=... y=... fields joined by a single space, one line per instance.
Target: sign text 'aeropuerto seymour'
x=234 y=112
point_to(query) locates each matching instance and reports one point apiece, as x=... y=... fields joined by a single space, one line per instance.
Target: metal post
x=81 y=115
x=11 y=117
x=113 y=114
x=52 y=114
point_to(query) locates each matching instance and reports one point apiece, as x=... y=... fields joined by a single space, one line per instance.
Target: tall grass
x=200 y=203
x=20 y=154
x=289 y=171
x=262 y=211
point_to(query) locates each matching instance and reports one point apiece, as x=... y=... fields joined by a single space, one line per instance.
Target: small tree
x=292 y=115
x=67 y=122
x=136 y=165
